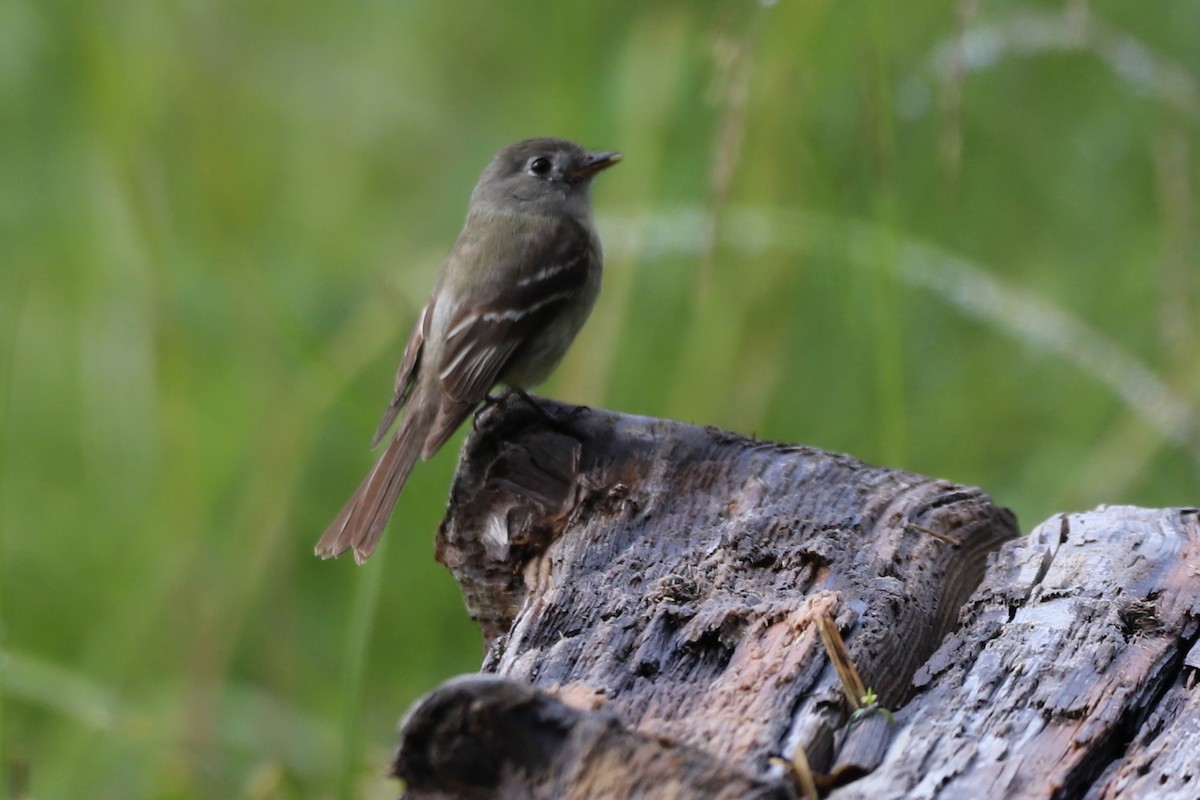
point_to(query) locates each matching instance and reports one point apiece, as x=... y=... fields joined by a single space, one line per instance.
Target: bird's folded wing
x=483 y=336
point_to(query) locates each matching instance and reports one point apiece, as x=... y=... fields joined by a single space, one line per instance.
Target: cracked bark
x=1069 y=676
x=649 y=590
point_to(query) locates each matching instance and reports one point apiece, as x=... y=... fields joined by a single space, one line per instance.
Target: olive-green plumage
x=512 y=294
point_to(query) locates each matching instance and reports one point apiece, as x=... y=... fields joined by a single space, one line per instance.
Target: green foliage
x=955 y=238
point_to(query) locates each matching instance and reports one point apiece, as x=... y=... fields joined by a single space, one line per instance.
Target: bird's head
x=542 y=176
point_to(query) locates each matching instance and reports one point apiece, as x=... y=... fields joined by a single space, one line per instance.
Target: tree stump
x=651 y=595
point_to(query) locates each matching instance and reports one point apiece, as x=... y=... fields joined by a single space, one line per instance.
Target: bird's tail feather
x=361 y=521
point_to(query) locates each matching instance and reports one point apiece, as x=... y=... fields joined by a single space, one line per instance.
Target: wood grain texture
x=650 y=592
x=670 y=574
x=1069 y=676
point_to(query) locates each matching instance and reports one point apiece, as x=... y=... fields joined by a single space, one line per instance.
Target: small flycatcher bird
x=517 y=286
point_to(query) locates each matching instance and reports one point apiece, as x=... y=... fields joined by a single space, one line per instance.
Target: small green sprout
x=869 y=704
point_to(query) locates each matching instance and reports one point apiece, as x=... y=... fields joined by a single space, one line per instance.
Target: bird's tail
x=361 y=521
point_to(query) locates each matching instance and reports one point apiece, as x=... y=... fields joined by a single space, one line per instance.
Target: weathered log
x=480 y=737
x=673 y=572
x=1069 y=675
x=664 y=580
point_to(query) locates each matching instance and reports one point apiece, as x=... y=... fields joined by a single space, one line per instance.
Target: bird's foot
x=556 y=423
x=489 y=400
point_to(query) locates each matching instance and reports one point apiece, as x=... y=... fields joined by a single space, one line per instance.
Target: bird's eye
x=539 y=166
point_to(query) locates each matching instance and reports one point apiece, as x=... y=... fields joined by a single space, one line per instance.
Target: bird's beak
x=593 y=163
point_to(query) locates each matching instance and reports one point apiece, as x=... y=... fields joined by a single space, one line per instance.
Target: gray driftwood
x=648 y=592
x=1070 y=674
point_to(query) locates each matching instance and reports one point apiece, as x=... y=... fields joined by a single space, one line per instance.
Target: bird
x=513 y=292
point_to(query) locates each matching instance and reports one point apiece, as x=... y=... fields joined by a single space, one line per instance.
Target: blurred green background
x=958 y=238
